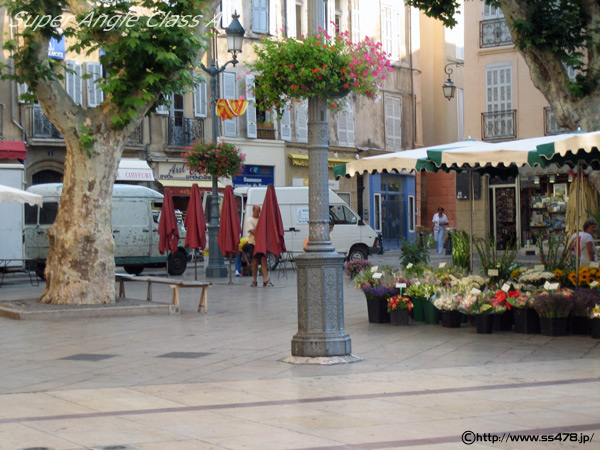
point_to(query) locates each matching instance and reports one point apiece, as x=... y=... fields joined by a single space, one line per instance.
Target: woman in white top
x=440 y=220
x=585 y=246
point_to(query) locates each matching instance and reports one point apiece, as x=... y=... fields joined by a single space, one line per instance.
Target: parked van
x=350 y=237
x=135 y=217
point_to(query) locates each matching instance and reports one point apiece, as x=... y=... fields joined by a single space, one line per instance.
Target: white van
x=135 y=216
x=350 y=237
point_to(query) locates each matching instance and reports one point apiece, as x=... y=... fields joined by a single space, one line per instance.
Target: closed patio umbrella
x=269 y=233
x=168 y=233
x=195 y=226
x=229 y=227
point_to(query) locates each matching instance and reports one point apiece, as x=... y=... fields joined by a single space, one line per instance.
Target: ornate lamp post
x=449 y=87
x=235 y=38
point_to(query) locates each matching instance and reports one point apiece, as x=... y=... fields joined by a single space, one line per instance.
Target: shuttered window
x=21 y=89
x=491 y=12
x=345 y=128
x=229 y=92
x=200 y=105
x=302 y=121
x=393 y=123
x=95 y=95
x=251 y=109
x=499 y=87
x=260 y=16
x=227 y=9
x=390 y=30
x=285 y=125
x=355 y=24
x=73 y=81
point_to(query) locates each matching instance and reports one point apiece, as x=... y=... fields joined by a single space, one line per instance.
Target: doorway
x=504 y=213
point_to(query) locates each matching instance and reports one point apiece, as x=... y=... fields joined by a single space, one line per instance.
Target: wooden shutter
x=285 y=124
x=355 y=21
x=164 y=109
x=260 y=16
x=345 y=121
x=272 y=8
x=251 y=130
x=290 y=18
x=330 y=17
x=200 y=109
x=73 y=84
x=302 y=121
x=491 y=12
x=229 y=92
x=95 y=95
x=227 y=9
x=499 y=88
x=393 y=123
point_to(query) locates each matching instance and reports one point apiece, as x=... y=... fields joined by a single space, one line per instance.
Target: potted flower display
x=553 y=308
x=584 y=300
x=447 y=300
x=595 y=321
x=356 y=266
x=526 y=319
x=502 y=316
x=317 y=66
x=399 y=307
x=216 y=159
x=482 y=309
x=377 y=287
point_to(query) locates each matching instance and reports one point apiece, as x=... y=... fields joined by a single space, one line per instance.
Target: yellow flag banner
x=228 y=109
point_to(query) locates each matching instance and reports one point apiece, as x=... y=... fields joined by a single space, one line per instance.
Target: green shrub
x=413 y=254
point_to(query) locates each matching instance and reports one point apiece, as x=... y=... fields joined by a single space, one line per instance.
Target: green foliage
x=144 y=57
x=442 y=10
x=554 y=253
x=412 y=253
x=356 y=266
x=490 y=258
x=461 y=249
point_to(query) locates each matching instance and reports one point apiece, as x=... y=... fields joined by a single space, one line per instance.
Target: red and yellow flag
x=228 y=109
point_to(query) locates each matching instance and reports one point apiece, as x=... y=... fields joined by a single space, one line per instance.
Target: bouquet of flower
x=536 y=277
x=448 y=298
x=584 y=300
x=215 y=159
x=355 y=266
x=553 y=304
x=399 y=302
x=317 y=66
x=585 y=276
x=595 y=314
x=420 y=290
x=518 y=299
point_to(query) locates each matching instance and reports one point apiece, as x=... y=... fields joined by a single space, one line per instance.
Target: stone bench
x=172 y=283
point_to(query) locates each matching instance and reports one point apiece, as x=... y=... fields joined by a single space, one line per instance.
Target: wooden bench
x=173 y=284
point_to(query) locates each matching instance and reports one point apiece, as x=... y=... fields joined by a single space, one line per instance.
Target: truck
x=11 y=220
x=134 y=220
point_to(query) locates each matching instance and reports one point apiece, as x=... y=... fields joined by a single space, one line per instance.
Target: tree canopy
x=552 y=37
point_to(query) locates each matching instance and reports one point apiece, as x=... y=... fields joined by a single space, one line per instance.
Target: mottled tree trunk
x=80 y=268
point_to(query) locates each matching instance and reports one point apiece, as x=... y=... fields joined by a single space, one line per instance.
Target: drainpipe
x=12 y=89
x=412 y=80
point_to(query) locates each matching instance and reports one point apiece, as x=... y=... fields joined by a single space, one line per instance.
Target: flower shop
x=551 y=298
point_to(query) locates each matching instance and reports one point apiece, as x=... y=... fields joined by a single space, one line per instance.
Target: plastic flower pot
x=580 y=325
x=418 y=312
x=526 y=320
x=554 y=326
x=431 y=313
x=595 y=328
x=399 y=316
x=503 y=321
x=451 y=319
x=377 y=309
x=484 y=323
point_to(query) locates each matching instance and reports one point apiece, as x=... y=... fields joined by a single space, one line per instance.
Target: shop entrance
x=504 y=214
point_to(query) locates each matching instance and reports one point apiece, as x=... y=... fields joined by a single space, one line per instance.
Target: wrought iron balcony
x=41 y=127
x=494 y=33
x=550 y=125
x=184 y=130
x=499 y=125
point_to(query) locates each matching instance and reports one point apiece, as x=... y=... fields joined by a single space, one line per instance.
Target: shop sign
x=178 y=171
x=334 y=185
x=253 y=176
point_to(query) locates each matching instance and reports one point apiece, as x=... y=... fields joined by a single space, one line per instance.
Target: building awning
x=302 y=160
x=132 y=169
x=188 y=183
x=13 y=150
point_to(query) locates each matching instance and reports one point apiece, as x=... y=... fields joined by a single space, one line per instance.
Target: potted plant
x=481 y=308
x=419 y=293
x=595 y=321
x=216 y=159
x=399 y=307
x=447 y=300
x=526 y=319
x=502 y=316
x=377 y=287
x=553 y=307
x=355 y=266
x=584 y=300
x=317 y=66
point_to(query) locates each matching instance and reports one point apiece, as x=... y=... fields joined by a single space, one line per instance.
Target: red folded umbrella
x=168 y=233
x=195 y=224
x=229 y=225
x=269 y=233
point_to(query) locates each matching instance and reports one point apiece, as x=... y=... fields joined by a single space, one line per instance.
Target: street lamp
x=235 y=38
x=449 y=87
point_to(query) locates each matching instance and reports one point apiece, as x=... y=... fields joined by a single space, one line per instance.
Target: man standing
x=440 y=220
x=251 y=223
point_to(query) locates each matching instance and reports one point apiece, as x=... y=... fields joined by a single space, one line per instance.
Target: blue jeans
x=438 y=236
x=238 y=262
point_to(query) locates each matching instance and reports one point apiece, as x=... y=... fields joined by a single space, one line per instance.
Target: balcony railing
x=184 y=131
x=550 y=125
x=494 y=33
x=41 y=127
x=499 y=125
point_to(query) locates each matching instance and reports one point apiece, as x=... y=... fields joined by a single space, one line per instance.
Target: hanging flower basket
x=215 y=159
x=317 y=66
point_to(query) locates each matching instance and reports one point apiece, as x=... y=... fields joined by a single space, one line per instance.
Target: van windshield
x=31 y=214
x=341 y=215
x=48 y=213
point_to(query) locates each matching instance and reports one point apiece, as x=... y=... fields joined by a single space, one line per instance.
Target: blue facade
x=393 y=208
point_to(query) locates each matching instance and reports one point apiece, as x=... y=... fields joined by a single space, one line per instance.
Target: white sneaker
x=237 y=273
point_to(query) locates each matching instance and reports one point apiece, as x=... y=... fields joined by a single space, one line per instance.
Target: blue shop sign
x=253 y=176
x=56 y=48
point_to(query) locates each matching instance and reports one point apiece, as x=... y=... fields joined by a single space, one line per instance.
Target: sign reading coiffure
x=178 y=171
